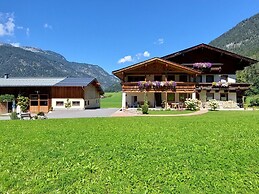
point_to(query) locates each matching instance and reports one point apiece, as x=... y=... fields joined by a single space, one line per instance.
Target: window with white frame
x=59 y=103
x=209 y=96
x=75 y=103
x=209 y=78
x=224 y=97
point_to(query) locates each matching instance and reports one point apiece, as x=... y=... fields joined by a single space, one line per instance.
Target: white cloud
x=146 y=54
x=125 y=59
x=140 y=55
x=137 y=57
x=16 y=44
x=7 y=24
x=159 y=41
x=47 y=26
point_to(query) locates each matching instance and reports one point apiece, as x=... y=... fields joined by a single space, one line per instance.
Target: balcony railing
x=179 y=87
x=224 y=86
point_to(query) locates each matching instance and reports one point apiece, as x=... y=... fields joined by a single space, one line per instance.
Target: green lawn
x=212 y=153
x=111 y=100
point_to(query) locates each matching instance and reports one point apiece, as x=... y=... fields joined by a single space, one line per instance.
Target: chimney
x=6 y=75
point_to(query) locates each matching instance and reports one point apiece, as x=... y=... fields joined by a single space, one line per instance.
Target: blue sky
x=117 y=33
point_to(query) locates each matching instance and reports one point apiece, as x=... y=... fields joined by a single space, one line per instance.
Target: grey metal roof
x=37 y=82
x=75 y=81
x=23 y=82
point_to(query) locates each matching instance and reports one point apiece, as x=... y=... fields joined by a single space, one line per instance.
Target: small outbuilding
x=54 y=93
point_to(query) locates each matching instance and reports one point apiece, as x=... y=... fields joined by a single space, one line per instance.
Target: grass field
x=111 y=100
x=212 y=153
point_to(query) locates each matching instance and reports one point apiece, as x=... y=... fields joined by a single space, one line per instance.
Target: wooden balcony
x=230 y=87
x=181 y=87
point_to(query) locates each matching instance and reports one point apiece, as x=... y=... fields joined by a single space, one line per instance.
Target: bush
x=192 y=104
x=214 y=104
x=145 y=107
x=7 y=98
x=254 y=101
x=13 y=116
x=23 y=102
x=40 y=114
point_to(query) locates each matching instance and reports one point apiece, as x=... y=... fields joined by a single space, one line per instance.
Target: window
x=224 y=77
x=223 y=97
x=183 y=78
x=136 y=78
x=171 y=97
x=182 y=97
x=34 y=96
x=209 y=96
x=59 y=103
x=209 y=78
x=198 y=79
x=170 y=77
x=44 y=103
x=34 y=103
x=158 y=78
x=75 y=103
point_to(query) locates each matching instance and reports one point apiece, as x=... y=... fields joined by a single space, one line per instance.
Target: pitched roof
x=156 y=59
x=209 y=47
x=75 y=82
x=48 y=82
x=24 y=82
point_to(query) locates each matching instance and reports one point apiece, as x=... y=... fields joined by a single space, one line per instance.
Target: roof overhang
x=120 y=73
x=209 y=47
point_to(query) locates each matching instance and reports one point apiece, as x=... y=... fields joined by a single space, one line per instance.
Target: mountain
x=242 y=39
x=34 y=62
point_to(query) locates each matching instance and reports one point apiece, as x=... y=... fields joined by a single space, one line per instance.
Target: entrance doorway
x=39 y=103
x=158 y=99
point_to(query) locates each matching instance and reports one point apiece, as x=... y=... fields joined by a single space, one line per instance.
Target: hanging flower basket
x=156 y=85
x=202 y=65
x=144 y=85
x=220 y=84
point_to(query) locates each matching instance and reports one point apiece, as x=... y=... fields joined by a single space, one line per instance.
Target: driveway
x=103 y=112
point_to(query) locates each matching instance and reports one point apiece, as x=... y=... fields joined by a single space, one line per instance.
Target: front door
x=158 y=99
x=39 y=103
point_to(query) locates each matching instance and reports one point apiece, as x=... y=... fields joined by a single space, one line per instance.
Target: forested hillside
x=34 y=62
x=244 y=39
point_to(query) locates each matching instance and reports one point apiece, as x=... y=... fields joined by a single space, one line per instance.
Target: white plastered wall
x=92 y=97
x=56 y=103
x=140 y=98
x=231 y=96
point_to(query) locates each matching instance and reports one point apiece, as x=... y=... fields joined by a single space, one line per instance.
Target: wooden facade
x=59 y=89
x=189 y=81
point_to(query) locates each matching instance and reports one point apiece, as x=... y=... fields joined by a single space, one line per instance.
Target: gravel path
x=104 y=112
x=128 y=113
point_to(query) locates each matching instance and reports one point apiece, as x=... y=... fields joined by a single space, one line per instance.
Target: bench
x=25 y=115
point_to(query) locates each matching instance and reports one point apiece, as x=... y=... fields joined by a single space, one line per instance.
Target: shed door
x=39 y=103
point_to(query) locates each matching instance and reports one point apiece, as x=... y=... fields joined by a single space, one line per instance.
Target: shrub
x=41 y=114
x=68 y=104
x=23 y=102
x=13 y=116
x=192 y=104
x=254 y=101
x=214 y=104
x=145 y=107
x=7 y=98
